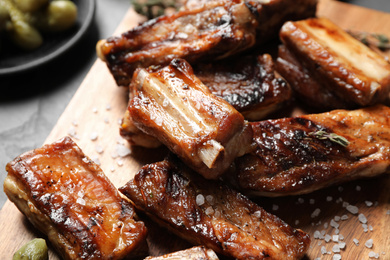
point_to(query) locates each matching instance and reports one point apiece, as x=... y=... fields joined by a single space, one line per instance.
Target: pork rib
x=216 y=31
x=340 y=63
x=306 y=153
x=250 y=84
x=209 y=213
x=67 y=197
x=207 y=30
x=172 y=105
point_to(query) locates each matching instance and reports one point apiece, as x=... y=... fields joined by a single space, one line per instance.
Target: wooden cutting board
x=98 y=105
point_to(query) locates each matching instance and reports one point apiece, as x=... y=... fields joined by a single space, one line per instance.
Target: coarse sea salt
x=356 y=241
x=317 y=235
x=342 y=245
x=369 y=203
x=369 y=243
x=93 y=136
x=372 y=254
x=199 y=199
x=315 y=213
x=209 y=210
x=336 y=248
x=257 y=214
x=99 y=149
x=336 y=257
x=122 y=150
x=334 y=224
x=362 y=218
x=352 y=209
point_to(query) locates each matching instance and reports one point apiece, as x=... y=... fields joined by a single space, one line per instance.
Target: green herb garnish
x=322 y=135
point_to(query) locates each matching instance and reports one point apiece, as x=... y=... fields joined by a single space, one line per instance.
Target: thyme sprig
x=322 y=135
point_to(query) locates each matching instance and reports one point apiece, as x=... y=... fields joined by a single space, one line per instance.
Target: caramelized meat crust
x=341 y=64
x=205 y=131
x=204 y=30
x=68 y=197
x=215 y=31
x=250 y=84
x=306 y=153
x=212 y=214
x=308 y=89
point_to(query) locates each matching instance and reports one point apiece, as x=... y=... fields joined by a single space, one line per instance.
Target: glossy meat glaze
x=205 y=131
x=338 y=62
x=212 y=214
x=306 y=153
x=220 y=30
x=68 y=198
x=250 y=84
x=203 y=31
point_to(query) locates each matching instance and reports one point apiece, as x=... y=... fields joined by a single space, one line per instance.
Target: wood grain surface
x=98 y=105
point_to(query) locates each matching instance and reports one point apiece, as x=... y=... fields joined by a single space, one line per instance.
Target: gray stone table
x=31 y=103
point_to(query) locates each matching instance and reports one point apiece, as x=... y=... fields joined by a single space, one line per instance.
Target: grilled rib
x=307 y=87
x=210 y=213
x=217 y=31
x=207 y=30
x=340 y=63
x=250 y=84
x=172 y=105
x=194 y=253
x=306 y=153
x=67 y=197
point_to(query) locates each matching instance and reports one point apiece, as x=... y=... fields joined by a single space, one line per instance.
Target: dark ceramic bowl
x=14 y=60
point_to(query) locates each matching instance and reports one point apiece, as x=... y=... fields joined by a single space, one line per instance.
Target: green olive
x=36 y=249
x=30 y=5
x=59 y=16
x=4 y=16
x=19 y=30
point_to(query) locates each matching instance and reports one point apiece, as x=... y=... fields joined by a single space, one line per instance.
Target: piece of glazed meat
x=250 y=84
x=215 y=31
x=174 y=106
x=207 y=30
x=307 y=87
x=310 y=152
x=338 y=62
x=194 y=253
x=68 y=198
x=209 y=213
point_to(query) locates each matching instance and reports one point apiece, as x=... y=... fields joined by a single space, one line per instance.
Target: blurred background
x=31 y=102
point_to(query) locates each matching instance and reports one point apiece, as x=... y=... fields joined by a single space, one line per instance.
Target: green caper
x=36 y=249
x=30 y=5
x=58 y=16
x=19 y=30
